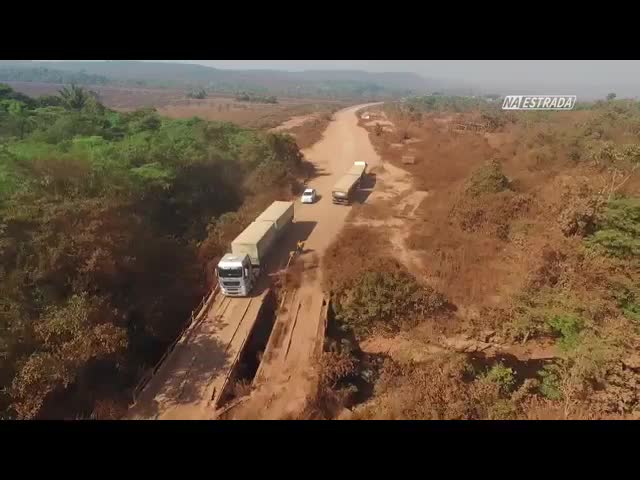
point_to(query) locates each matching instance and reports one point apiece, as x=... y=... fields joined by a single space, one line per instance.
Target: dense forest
x=107 y=224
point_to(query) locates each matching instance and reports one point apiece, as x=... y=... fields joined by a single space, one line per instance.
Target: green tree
x=92 y=105
x=611 y=96
x=571 y=377
x=18 y=117
x=568 y=327
x=74 y=97
x=487 y=179
x=70 y=336
x=618 y=230
x=501 y=376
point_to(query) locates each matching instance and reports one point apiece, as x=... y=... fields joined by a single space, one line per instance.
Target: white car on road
x=309 y=196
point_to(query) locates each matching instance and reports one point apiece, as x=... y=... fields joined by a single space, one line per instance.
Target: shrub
x=154 y=173
x=628 y=300
x=502 y=409
x=608 y=153
x=550 y=387
x=568 y=327
x=252 y=98
x=71 y=336
x=501 y=376
x=440 y=103
x=543 y=312
x=572 y=377
x=579 y=216
x=199 y=94
x=385 y=299
x=618 y=231
x=487 y=179
x=334 y=391
x=496 y=119
x=434 y=390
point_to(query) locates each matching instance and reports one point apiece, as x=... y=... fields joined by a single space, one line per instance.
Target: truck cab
x=239 y=270
x=236 y=275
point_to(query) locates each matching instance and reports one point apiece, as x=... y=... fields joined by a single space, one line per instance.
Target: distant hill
x=19 y=73
x=331 y=84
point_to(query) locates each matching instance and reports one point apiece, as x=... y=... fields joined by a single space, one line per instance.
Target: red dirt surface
x=287 y=377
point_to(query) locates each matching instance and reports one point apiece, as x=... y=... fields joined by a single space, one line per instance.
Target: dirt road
x=283 y=380
x=294 y=122
x=190 y=381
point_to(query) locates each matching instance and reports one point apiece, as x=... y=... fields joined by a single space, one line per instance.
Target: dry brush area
x=509 y=287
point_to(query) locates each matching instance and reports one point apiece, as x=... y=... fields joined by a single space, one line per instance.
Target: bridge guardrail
x=203 y=306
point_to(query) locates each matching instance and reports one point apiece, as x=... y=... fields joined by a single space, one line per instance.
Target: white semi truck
x=239 y=270
x=343 y=191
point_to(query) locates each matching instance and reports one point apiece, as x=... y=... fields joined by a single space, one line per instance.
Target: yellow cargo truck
x=344 y=189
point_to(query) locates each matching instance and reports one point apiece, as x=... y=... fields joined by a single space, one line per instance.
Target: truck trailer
x=344 y=189
x=239 y=270
x=358 y=168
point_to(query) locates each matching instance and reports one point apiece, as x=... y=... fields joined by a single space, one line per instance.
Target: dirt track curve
x=189 y=382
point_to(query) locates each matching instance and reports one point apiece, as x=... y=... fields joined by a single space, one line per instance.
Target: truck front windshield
x=229 y=272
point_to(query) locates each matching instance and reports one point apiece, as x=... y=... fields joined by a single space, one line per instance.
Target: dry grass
x=480 y=250
x=446 y=387
x=365 y=251
x=312 y=130
x=330 y=398
x=382 y=210
x=508 y=254
x=293 y=275
x=252 y=115
x=109 y=410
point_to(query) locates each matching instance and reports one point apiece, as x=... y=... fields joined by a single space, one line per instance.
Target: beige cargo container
x=279 y=213
x=349 y=183
x=255 y=241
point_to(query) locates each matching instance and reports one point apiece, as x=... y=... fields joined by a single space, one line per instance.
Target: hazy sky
x=481 y=69
x=585 y=75
x=582 y=77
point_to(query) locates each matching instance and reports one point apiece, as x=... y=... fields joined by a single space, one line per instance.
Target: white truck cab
x=236 y=275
